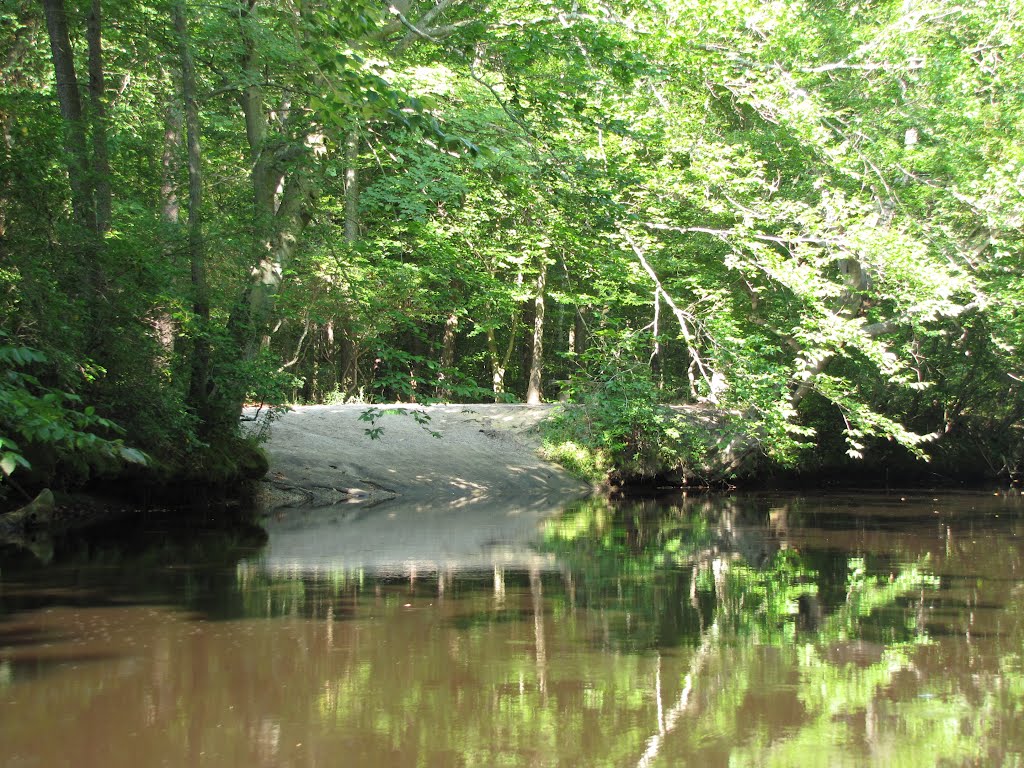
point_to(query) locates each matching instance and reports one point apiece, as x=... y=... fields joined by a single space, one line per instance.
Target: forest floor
x=451 y=454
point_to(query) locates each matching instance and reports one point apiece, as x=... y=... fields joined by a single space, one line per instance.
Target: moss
x=585 y=462
x=226 y=462
x=219 y=470
x=252 y=461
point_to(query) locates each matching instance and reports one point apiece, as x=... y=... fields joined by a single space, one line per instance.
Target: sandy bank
x=321 y=455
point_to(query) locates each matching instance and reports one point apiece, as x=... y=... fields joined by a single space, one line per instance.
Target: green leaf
x=133 y=455
x=8 y=463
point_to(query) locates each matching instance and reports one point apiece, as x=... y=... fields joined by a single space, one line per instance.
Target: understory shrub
x=619 y=429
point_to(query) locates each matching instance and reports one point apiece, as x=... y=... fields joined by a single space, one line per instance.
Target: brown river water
x=767 y=630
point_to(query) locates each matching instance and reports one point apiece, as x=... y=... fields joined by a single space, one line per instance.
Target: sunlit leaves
x=833 y=192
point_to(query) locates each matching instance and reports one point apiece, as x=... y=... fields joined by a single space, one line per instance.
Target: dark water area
x=763 y=630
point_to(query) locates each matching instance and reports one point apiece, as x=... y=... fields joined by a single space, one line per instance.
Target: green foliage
x=225 y=463
x=42 y=425
x=373 y=415
x=620 y=427
x=261 y=376
x=588 y=462
x=709 y=555
x=802 y=216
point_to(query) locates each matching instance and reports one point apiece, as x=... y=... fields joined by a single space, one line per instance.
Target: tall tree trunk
x=170 y=205
x=534 y=390
x=98 y=115
x=656 y=370
x=267 y=273
x=13 y=75
x=497 y=366
x=850 y=304
x=580 y=331
x=348 y=362
x=87 y=249
x=70 y=100
x=276 y=250
x=281 y=197
x=451 y=327
x=352 y=187
x=170 y=212
x=343 y=351
x=196 y=244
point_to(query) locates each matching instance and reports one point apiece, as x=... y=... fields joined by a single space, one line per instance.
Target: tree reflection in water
x=780 y=631
x=865 y=630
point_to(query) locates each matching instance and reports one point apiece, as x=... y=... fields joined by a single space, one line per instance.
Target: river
x=763 y=630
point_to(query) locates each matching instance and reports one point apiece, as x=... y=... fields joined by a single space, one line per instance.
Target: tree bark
x=70 y=101
x=448 y=337
x=199 y=382
x=13 y=75
x=87 y=249
x=266 y=274
x=580 y=331
x=497 y=367
x=98 y=115
x=534 y=391
x=656 y=371
x=165 y=326
x=352 y=187
x=343 y=349
x=170 y=205
x=281 y=197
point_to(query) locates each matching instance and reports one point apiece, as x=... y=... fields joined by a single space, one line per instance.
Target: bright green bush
x=587 y=462
x=620 y=427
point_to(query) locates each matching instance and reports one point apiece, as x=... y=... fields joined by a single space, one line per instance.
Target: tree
x=803 y=216
x=70 y=99
x=199 y=380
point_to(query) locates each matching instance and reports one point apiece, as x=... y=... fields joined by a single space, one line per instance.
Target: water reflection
x=864 y=630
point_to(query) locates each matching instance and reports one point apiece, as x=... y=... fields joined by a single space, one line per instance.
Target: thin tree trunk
x=687 y=323
x=342 y=349
x=656 y=371
x=580 y=334
x=98 y=114
x=196 y=244
x=534 y=390
x=352 y=187
x=497 y=368
x=276 y=249
x=326 y=366
x=170 y=212
x=348 y=367
x=499 y=364
x=451 y=327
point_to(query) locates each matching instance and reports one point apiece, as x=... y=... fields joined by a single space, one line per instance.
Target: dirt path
x=322 y=455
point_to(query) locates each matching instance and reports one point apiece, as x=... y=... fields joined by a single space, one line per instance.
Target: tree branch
x=725 y=233
x=684 y=318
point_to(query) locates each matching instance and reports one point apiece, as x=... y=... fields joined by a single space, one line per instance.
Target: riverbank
x=325 y=454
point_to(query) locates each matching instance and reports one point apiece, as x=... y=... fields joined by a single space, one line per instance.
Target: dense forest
x=803 y=215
